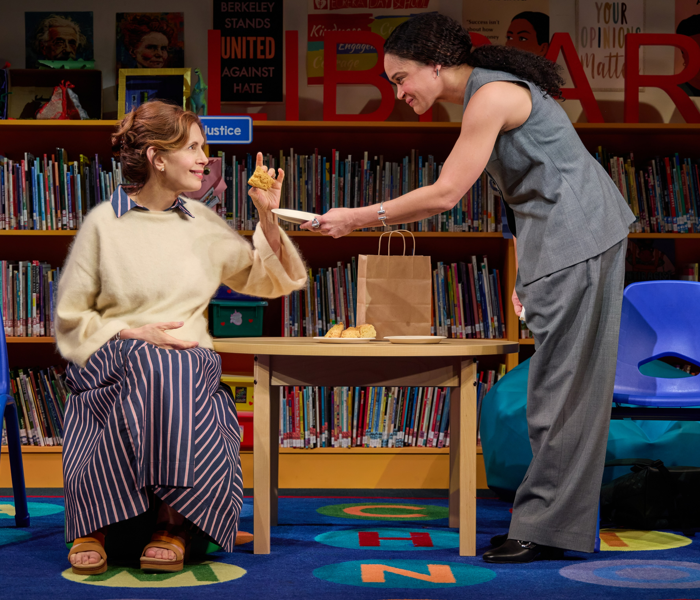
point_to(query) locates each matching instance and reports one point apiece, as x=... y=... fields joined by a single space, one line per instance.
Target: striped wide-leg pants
x=143 y=418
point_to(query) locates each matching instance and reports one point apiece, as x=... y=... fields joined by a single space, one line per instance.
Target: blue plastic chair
x=8 y=408
x=659 y=318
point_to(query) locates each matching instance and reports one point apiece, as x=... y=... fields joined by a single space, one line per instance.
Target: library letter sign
x=251 y=50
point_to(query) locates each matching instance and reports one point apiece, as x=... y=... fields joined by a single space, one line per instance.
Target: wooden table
x=303 y=361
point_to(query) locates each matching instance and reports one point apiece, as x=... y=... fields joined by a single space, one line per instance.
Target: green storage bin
x=236 y=318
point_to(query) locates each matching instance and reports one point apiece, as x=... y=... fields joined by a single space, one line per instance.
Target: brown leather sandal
x=91 y=543
x=168 y=541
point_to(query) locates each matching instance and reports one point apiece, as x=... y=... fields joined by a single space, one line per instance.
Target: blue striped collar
x=122 y=204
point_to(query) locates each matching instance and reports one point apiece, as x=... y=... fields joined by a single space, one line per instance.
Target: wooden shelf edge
x=526 y=341
x=30 y=340
x=41 y=232
x=297 y=451
x=367 y=451
x=370 y=234
x=36 y=449
x=682 y=128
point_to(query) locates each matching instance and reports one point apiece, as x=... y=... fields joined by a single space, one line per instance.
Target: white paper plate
x=294 y=216
x=415 y=339
x=325 y=340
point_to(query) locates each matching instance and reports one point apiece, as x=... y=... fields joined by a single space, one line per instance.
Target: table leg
x=274 y=451
x=467 y=458
x=454 y=457
x=262 y=449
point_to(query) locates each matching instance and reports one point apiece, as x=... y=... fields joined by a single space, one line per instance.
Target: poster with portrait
x=150 y=41
x=520 y=23
x=601 y=28
x=688 y=23
x=377 y=16
x=59 y=39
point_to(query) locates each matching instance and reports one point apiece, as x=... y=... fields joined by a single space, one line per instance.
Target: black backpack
x=652 y=496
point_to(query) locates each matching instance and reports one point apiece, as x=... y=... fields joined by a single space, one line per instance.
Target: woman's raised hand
x=266 y=200
x=154 y=333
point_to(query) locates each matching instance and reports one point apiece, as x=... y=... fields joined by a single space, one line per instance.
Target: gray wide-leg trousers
x=574 y=315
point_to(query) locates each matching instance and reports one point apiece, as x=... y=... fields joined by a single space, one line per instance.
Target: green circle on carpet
x=205 y=573
x=391 y=539
x=401 y=574
x=36 y=509
x=383 y=511
x=11 y=535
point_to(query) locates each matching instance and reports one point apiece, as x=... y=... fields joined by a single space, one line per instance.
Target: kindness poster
x=377 y=16
x=600 y=37
x=520 y=23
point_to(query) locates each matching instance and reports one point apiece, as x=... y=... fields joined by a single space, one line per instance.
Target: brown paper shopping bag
x=394 y=293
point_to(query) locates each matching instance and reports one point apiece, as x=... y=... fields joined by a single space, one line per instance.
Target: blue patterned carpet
x=359 y=548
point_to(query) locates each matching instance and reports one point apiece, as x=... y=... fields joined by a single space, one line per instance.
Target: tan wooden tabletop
x=281 y=346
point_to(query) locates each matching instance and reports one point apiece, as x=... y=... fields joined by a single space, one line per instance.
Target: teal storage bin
x=236 y=318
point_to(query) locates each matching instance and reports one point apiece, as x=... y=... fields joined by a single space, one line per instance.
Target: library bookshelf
x=324 y=467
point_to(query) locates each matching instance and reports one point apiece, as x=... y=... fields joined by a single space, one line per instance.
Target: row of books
x=664 y=194
x=40 y=395
x=468 y=301
x=52 y=192
x=316 y=183
x=28 y=292
x=371 y=417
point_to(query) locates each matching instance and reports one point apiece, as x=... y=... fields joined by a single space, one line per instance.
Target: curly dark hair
x=432 y=38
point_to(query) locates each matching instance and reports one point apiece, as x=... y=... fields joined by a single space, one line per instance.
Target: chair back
x=659 y=318
x=4 y=364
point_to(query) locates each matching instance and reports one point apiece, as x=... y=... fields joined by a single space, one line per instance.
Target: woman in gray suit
x=571 y=224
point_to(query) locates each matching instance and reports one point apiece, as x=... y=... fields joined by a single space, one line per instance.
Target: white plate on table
x=325 y=340
x=415 y=339
x=294 y=216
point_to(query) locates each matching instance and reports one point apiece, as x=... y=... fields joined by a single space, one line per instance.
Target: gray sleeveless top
x=566 y=207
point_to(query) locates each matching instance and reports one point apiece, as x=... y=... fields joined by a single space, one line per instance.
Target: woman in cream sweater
x=148 y=423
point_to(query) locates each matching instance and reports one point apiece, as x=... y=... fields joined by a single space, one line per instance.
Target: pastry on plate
x=260 y=179
x=351 y=332
x=367 y=331
x=335 y=331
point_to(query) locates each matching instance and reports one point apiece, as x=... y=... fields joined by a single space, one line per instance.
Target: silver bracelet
x=117 y=336
x=382 y=214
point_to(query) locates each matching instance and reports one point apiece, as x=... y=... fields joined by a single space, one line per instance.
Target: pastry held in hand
x=351 y=332
x=335 y=331
x=260 y=179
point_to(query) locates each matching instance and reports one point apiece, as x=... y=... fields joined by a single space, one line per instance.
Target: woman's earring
x=162 y=168
x=438 y=72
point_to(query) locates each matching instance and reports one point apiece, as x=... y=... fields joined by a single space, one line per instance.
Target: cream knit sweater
x=158 y=266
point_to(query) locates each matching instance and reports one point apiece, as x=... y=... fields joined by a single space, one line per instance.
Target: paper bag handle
x=399 y=231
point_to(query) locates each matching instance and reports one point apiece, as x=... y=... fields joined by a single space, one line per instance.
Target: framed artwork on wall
x=138 y=86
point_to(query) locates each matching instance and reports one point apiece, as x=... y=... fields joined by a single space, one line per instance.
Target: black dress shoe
x=499 y=540
x=516 y=551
